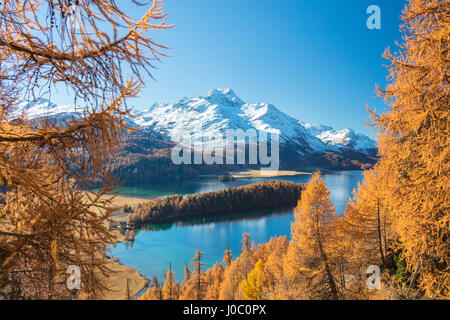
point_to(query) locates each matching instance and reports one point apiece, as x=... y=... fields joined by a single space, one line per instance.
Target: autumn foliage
x=49 y=217
x=309 y=257
x=259 y=196
x=414 y=146
x=398 y=218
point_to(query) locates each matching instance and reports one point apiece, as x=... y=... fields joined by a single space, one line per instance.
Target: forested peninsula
x=264 y=195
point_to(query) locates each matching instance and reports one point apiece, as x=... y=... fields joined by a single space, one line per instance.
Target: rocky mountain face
x=206 y=119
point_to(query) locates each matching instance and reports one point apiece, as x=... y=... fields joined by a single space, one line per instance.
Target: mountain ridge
x=221 y=108
x=215 y=111
x=302 y=145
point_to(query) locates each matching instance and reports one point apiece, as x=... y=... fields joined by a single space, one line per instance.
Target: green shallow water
x=176 y=243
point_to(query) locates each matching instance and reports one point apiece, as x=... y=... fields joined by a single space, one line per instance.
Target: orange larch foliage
x=49 y=217
x=309 y=258
x=414 y=147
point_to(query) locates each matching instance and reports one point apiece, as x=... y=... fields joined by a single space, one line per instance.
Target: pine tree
x=413 y=143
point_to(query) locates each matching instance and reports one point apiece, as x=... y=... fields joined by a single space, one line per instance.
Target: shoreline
x=270 y=194
x=117 y=281
x=266 y=174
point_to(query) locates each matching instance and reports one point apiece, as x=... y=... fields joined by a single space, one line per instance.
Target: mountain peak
x=221 y=91
x=226 y=94
x=347 y=137
x=219 y=110
x=41 y=108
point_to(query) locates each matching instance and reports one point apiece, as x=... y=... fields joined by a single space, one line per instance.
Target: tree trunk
x=380 y=238
x=334 y=291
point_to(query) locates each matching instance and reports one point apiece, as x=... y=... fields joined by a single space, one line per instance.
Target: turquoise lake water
x=176 y=243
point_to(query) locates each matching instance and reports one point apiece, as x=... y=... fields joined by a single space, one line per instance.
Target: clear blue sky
x=315 y=60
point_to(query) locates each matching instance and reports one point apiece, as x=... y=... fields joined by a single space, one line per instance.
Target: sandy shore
x=263 y=174
x=120 y=201
x=116 y=282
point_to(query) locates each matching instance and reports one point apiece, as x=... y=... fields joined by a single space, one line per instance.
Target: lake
x=153 y=250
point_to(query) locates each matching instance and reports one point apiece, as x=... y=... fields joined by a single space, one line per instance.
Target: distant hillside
x=145 y=155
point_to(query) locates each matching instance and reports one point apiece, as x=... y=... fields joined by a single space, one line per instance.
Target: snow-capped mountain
x=42 y=108
x=349 y=138
x=315 y=129
x=301 y=144
x=343 y=138
x=221 y=109
x=218 y=110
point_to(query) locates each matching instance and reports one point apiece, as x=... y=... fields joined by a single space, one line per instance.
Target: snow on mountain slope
x=315 y=129
x=43 y=108
x=347 y=137
x=342 y=138
x=218 y=110
x=221 y=109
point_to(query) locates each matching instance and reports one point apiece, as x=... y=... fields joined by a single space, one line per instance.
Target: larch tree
x=49 y=216
x=198 y=275
x=169 y=291
x=253 y=287
x=309 y=257
x=153 y=292
x=246 y=257
x=232 y=276
x=229 y=286
x=187 y=289
x=414 y=143
x=273 y=265
x=157 y=288
x=228 y=257
x=187 y=273
x=367 y=219
x=213 y=279
x=128 y=294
